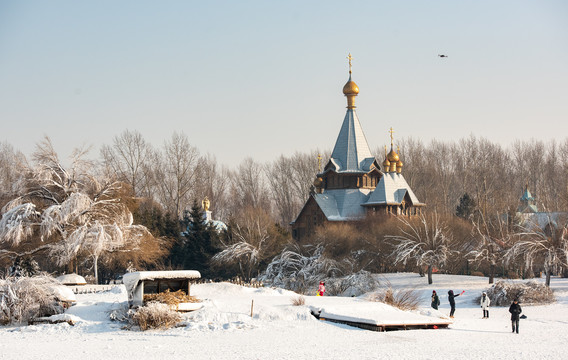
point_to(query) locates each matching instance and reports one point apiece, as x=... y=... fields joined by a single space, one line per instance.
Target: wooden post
x=251 y=307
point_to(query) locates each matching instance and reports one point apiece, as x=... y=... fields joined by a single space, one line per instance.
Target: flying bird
x=442 y=56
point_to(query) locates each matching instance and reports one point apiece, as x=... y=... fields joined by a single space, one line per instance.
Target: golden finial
x=205 y=204
x=392 y=137
x=319 y=163
x=350 y=89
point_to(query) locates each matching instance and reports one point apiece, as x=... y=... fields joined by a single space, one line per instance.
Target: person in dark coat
x=435 y=300
x=451 y=297
x=515 y=310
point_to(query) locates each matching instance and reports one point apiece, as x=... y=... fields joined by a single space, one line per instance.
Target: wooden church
x=352 y=184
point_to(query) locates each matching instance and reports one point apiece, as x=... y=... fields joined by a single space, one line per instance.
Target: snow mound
x=63 y=293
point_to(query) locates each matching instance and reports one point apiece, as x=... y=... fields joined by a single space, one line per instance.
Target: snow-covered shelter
x=154 y=282
x=72 y=279
x=352 y=185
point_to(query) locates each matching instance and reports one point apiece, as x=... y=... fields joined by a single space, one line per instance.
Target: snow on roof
x=342 y=204
x=391 y=190
x=130 y=280
x=351 y=151
x=72 y=279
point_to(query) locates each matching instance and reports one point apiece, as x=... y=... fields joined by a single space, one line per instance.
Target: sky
x=262 y=79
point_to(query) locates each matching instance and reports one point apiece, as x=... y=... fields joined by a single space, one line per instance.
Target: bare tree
x=176 y=173
x=11 y=164
x=127 y=159
x=248 y=186
x=281 y=179
x=423 y=240
x=213 y=182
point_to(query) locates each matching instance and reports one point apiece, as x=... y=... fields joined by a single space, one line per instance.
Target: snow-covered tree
x=423 y=240
x=543 y=245
x=73 y=212
x=493 y=236
x=254 y=239
x=300 y=268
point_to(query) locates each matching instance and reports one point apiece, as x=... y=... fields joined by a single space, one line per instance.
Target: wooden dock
x=386 y=327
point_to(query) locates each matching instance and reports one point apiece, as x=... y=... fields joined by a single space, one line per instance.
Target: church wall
x=341 y=181
x=310 y=218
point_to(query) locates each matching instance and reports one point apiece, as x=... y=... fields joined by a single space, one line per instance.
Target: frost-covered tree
x=546 y=246
x=301 y=268
x=423 y=240
x=492 y=236
x=253 y=240
x=72 y=212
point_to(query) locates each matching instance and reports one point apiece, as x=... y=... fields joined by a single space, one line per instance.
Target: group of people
x=514 y=309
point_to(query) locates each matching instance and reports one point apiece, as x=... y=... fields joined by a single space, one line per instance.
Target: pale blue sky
x=264 y=78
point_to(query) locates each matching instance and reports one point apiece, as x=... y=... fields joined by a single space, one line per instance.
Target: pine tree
x=197 y=247
x=466 y=207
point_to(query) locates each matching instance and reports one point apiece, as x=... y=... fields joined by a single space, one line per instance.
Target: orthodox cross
x=319 y=162
x=350 y=58
x=392 y=137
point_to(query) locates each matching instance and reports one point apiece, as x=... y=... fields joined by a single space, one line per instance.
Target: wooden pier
x=386 y=327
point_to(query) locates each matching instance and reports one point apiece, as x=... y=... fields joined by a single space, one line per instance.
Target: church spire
x=351 y=152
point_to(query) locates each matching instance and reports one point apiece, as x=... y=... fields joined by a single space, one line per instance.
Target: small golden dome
x=318 y=181
x=399 y=166
x=350 y=88
x=386 y=164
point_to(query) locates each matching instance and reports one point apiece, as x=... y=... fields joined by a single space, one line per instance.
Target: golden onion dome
x=318 y=181
x=399 y=166
x=350 y=88
x=393 y=156
x=386 y=164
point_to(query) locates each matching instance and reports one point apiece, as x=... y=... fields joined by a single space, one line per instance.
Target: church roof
x=527 y=195
x=351 y=152
x=342 y=204
x=391 y=190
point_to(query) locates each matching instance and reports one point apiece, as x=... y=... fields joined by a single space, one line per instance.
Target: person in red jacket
x=321 y=288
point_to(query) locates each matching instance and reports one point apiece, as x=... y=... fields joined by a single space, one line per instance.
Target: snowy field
x=224 y=328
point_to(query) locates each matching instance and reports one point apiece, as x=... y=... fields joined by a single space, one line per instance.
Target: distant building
x=530 y=218
x=352 y=185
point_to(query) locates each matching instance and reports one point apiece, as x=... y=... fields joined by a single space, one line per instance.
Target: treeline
x=163 y=188
x=440 y=173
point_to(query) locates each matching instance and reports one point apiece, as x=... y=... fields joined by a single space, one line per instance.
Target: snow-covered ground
x=224 y=328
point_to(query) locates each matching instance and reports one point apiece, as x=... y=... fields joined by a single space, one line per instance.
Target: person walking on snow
x=485 y=305
x=515 y=310
x=321 y=289
x=435 y=300
x=451 y=298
